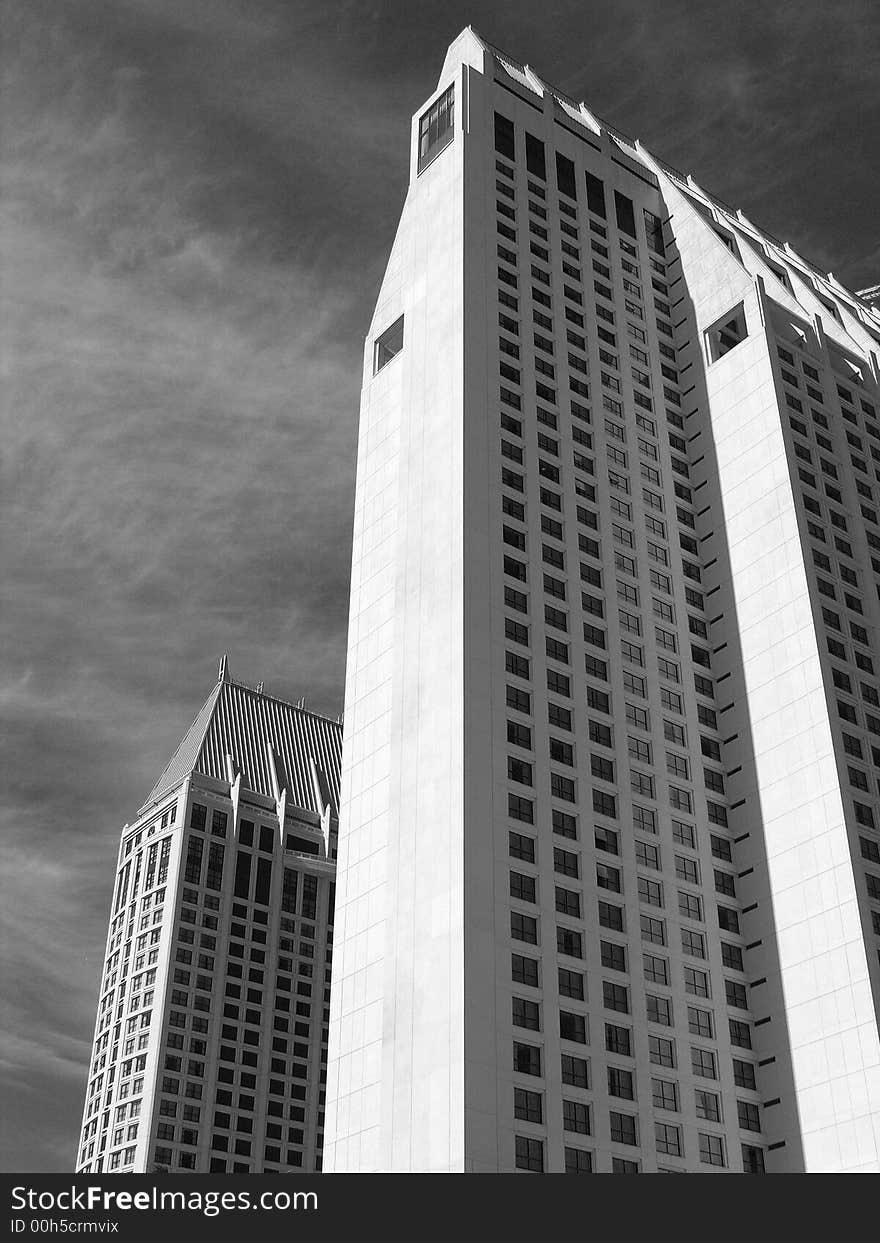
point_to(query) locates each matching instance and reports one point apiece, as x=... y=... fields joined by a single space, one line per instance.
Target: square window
x=623 y=1129
x=576 y=1117
x=575 y=1071
x=711 y=1149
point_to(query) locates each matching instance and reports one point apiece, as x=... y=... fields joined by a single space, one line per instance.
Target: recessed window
x=625 y=214
x=726 y=333
x=436 y=128
x=504 y=137
x=389 y=344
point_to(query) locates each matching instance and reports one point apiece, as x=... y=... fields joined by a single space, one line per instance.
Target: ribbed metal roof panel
x=244 y=723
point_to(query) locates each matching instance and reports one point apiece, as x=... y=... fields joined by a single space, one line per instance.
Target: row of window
x=530 y=1151
x=244 y=1003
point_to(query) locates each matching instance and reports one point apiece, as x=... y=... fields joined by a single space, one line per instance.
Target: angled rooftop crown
x=243 y=724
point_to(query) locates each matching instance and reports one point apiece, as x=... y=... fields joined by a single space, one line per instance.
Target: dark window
x=535 y=162
x=524 y=970
x=527 y=1105
x=613 y=955
x=523 y=928
x=504 y=138
x=667 y=1139
x=520 y=808
x=526 y=1014
x=615 y=996
x=711 y=1149
x=522 y=887
x=288 y=891
x=744 y=1074
x=193 y=867
x=611 y=916
x=748 y=1116
x=575 y=1071
x=753 y=1159
x=521 y=847
x=617 y=1040
x=526 y=1059
x=576 y=1117
x=309 y=897
x=577 y=1161
x=595 y=195
x=242 y=874
x=214 y=875
x=572 y=1027
x=529 y=1154
x=571 y=984
x=569 y=942
x=623 y=1129
x=626 y=220
x=264 y=881
x=565 y=176
x=620 y=1083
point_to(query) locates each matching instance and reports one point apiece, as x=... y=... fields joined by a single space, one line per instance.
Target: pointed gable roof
x=244 y=724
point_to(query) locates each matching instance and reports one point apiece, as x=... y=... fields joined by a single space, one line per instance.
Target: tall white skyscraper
x=609 y=869
x=211 y=1034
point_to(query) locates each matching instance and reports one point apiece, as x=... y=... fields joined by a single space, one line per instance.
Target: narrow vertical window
x=163 y=861
x=242 y=874
x=436 y=128
x=504 y=139
x=121 y=887
x=214 y=874
x=535 y=162
x=288 y=891
x=193 y=866
x=595 y=195
x=263 y=886
x=626 y=219
x=565 y=176
x=151 y=867
x=309 y=897
x=137 y=873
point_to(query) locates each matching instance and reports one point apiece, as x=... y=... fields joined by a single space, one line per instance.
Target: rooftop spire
x=223 y=671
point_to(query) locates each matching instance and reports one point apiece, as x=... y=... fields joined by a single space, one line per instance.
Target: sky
x=198 y=198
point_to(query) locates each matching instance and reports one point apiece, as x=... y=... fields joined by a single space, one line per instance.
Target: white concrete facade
x=679 y=1036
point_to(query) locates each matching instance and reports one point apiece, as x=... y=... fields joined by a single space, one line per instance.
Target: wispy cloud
x=199 y=196
x=177 y=473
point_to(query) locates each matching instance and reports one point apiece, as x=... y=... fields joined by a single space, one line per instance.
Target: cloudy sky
x=198 y=198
